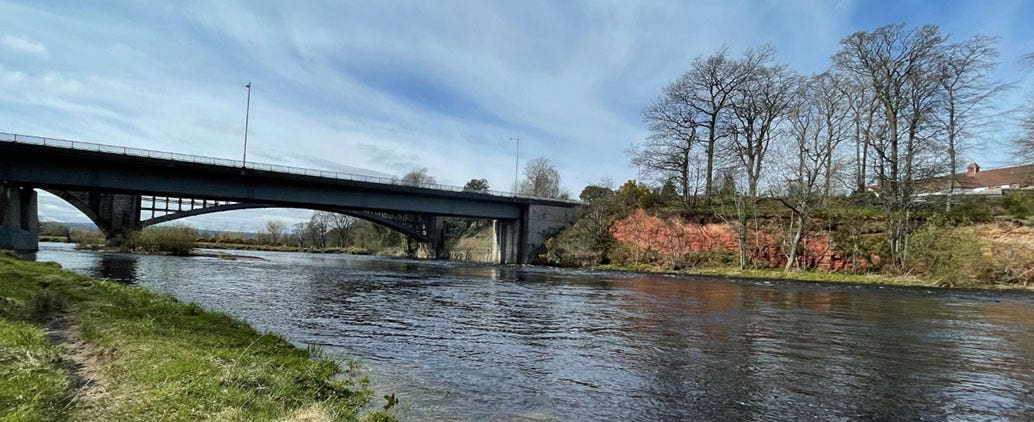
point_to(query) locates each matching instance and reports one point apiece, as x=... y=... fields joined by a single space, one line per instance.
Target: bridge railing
x=140 y=152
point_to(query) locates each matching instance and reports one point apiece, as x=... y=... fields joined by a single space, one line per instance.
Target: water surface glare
x=458 y=341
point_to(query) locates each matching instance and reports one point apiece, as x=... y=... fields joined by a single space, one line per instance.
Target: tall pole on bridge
x=516 y=160
x=247 y=114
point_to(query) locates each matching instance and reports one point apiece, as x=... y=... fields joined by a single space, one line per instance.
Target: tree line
x=897 y=106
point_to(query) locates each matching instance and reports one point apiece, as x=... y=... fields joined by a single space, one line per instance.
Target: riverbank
x=817 y=276
x=78 y=348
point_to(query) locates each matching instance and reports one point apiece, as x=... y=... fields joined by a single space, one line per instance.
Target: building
x=976 y=181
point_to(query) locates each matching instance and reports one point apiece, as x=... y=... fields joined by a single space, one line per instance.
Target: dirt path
x=79 y=358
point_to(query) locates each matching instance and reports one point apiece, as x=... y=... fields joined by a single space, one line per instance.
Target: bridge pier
x=115 y=214
x=506 y=248
x=19 y=219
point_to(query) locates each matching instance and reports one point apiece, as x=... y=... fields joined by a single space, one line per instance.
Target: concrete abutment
x=523 y=241
x=19 y=219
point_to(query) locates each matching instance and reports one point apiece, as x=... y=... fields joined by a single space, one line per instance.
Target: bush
x=1013 y=262
x=955 y=255
x=708 y=258
x=174 y=240
x=91 y=239
x=1018 y=204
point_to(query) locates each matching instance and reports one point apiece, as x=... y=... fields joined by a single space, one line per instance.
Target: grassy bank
x=813 y=276
x=77 y=348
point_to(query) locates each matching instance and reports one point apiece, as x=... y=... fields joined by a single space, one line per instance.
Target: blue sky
x=392 y=86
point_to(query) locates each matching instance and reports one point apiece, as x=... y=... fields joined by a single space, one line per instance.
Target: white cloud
x=387 y=87
x=24 y=45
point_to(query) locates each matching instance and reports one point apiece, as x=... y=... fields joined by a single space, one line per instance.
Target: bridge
x=122 y=189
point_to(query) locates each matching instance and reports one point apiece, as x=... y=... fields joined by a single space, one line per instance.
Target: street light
x=247 y=114
x=516 y=160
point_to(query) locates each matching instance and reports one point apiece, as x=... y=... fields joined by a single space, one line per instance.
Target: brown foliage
x=674 y=239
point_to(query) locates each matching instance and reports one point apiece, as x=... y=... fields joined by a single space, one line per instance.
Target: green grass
x=779 y=274
x=157 y=359
x=32 y=383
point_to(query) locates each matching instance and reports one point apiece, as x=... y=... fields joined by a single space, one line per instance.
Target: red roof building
x=982 y=182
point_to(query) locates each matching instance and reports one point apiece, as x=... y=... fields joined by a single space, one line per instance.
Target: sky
x=386 y=87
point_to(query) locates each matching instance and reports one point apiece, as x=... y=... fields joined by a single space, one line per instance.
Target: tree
x=341 y=226
x=708 y=88
x=968 y=95
x=758 y=104
x=665 y=155
x=593 y=193
x=819 y=122
x=476 y=185
x=418 y=178
x=1025 y=143
x=901 y=66
x=588 y=240
x=317 y=228
x=865 y=123
x=541 y=179
x=274 y=232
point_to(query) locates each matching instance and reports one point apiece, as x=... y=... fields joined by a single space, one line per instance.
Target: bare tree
x=317 y=228
x=1025 y=143
x=819 y=122
x=665 y=155
x=341 y=226
x=865 y=124
x=541 y=179
x=758 y=105
x=901 y=67
x=968 y=94
x=419 y=178
x=275 y=231
x=707 y=88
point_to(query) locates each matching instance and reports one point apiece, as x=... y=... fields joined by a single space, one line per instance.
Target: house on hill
x=976 y=181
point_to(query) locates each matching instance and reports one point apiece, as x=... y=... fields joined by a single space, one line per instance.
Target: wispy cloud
x=24 y=45
x=397 y=85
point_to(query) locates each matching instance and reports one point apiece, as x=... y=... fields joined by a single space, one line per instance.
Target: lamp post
x=516 y=160
x=247 y=114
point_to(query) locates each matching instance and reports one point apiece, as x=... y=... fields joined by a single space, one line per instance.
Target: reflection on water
x=470 y=342
x=121 y=267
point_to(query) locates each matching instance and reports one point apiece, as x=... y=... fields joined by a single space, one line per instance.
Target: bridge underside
x=116 y=215
x=108 y=187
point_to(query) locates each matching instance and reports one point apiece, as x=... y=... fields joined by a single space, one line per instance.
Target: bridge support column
x=19 y=219
x=115 y=214
x=435 y=249
x=505 y=249
x=121 y=216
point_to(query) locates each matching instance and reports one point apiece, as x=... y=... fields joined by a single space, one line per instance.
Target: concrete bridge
x=124 y=189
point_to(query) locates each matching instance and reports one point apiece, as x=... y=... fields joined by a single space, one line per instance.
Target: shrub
x=1018 y=204
x=175 y=240
x=955 y=255
x=88 y=239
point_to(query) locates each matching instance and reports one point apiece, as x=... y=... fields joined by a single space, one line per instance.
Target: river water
x=458 y=341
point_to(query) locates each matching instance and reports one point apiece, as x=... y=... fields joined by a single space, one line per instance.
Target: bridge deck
x=54 y=163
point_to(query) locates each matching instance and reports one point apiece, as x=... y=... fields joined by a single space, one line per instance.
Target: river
x=459 y=341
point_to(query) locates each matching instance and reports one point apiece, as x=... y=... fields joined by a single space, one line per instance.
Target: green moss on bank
x=152 y=357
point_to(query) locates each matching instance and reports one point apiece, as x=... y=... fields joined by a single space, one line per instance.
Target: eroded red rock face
x=674 y=237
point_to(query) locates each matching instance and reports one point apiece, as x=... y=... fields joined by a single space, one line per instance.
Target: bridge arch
x=421 y=228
